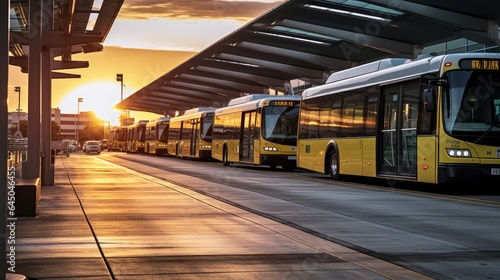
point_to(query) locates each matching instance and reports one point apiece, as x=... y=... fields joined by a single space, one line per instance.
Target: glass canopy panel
x=18 y=19
x=370 y=11
x=292 y=38
x=92 y=21
x=294 y=31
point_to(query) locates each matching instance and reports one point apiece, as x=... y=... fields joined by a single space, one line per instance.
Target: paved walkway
x=103 y=221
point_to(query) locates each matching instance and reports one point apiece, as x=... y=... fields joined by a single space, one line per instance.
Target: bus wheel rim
x=334 y=164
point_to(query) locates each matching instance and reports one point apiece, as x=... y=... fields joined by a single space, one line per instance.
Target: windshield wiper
x=492 y=125
x=287 y=136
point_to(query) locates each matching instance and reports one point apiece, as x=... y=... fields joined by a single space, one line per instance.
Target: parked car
x=104 y=144
x=91 y=146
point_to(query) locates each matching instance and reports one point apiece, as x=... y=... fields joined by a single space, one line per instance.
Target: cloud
x=195 y=9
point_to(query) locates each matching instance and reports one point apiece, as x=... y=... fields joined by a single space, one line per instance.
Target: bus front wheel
x=333 y=164
x=225 y=162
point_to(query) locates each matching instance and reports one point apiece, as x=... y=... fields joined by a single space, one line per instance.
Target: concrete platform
x=101 y=221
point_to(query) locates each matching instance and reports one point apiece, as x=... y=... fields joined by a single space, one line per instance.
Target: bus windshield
x=163 y=132
x=206 y=130
x=121 y=134
x=280 y=125
x=471 y=106
x=141 y=133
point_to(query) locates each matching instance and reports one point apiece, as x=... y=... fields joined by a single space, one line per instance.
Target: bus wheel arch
x=332 y=163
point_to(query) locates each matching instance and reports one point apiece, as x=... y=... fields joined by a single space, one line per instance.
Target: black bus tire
x=333 y=164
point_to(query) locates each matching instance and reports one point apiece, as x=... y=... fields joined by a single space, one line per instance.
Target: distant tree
x=56 y=129
x=13 y=129
x=92 y=131
x=24 y=127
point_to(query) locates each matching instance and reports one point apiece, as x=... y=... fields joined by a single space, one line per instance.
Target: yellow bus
x=117 y=139
x=190 y=135
x=433 y=120
x=136 y=137
x=157 y=136
x=259 y=129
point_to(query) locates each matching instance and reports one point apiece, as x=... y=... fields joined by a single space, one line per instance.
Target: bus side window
x=371 y=114
x=309 y=120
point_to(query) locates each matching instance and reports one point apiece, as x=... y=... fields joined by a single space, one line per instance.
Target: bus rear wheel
x=225 y=162
x=333 y=165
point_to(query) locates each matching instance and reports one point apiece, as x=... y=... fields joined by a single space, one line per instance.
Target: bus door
x=131 y=140
x=195 y=131
x=397 y=143
x=247 y=136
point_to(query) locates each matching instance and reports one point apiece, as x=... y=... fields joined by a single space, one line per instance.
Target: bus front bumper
x=452 y=173
x=286 y=161
x=205 y=154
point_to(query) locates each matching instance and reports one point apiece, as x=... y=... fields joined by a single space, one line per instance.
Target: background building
x=68 y=123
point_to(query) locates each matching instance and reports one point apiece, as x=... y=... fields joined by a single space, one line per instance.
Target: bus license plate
x=295 y=158
x=495 y=171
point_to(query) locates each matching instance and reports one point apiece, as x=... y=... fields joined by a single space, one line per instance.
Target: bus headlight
x=458 y=152
x=271 y=149
x=206 y=147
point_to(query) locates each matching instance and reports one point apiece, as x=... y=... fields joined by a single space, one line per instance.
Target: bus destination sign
x=283 y=103
x=480 y=64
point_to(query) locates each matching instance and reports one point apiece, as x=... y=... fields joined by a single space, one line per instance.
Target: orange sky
x=98 y=86
x=148 y=38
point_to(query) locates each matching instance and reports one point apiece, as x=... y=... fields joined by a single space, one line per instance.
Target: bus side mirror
x=429 y=100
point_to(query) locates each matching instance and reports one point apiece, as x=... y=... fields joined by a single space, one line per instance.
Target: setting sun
x=99 y=97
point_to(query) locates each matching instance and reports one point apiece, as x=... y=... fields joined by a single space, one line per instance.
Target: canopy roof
x=308 y=40
x=78 y=26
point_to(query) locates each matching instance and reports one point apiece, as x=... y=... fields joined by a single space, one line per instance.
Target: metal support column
x=31 y=168
x=4 y=82
x=47 y=178
x=288 y=88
